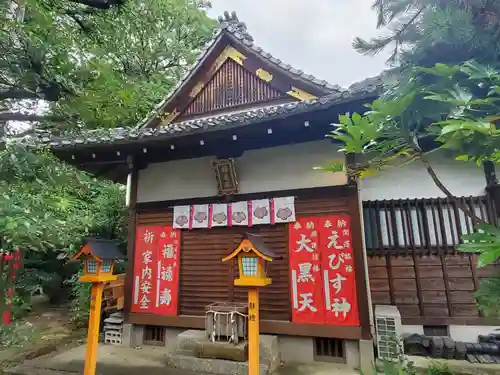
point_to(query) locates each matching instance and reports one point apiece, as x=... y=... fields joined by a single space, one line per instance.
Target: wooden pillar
x=93 y=332
x=132 y=221
x=360 y=264
x=494 y=194
x=253 y=331
x=360 y=261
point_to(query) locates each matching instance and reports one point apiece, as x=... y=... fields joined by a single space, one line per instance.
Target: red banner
x=168 y=272
x=144 y=291
x=337 y=261
x=156 y=270
x=323 y=283
x=305 y=272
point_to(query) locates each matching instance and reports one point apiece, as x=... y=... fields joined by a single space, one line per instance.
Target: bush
x=439 y=368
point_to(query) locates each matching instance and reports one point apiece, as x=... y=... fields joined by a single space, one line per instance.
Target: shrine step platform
x=195 y=352
x=211 y=366
x=111 y=360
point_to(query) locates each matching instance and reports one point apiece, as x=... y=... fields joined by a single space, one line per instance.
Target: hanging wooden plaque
x=225 y=174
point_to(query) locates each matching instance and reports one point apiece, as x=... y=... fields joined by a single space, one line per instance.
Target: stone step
x=188 y=344
x=211 y=366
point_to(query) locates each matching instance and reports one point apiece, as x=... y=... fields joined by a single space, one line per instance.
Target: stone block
x=222 y=350
x=187 y=341
x=352 y=353
x=269 y=352
x=366 y=356
x=171 y=335
x=132 y=335
x=211 y=366
x=296 y=349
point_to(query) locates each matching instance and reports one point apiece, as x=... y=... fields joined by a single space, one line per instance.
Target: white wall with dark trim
x=271 y=169
x=413 y=181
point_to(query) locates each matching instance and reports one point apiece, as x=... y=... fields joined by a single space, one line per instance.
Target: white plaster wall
x=271 y=169
x=469 y=333
x=413 y=181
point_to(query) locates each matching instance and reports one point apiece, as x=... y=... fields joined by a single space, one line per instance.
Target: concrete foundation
x=469 y=333
x=351 y=351
x=456 y=332
x=296 y=349
x=274 y=350
x=187 y=353
x=410 y=329
x=366 y=356
x=133 y=336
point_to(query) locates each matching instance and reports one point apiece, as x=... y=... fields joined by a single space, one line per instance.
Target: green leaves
x=485 y=242
x=46 y=205
x=474 y=125
x=477 y=71
x=425 y=32
x=334 y=167
x=440 y=70
x=99 y=68
x=356 y=133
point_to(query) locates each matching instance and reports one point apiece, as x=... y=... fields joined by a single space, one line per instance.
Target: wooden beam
x=267 y=326
x=132 y=211
x=327 y=191
x=354 y=210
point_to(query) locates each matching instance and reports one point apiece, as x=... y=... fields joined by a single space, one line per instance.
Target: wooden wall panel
x=437 y=299
x=205 y=279
x=413 y=262
x=274 y=299
x=231 y=86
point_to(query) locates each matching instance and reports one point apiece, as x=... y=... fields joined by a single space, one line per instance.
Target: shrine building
x=231 y=151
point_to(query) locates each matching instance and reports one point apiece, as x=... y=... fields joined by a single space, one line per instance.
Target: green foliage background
x=69 y=66
x=442 y=94
x=47 y=208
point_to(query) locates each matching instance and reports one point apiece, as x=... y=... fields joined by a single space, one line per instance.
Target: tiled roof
x=364 y=89
x=237 y=30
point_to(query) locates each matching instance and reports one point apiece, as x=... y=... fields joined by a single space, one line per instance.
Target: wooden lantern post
x=252 y=256
x=99 y=258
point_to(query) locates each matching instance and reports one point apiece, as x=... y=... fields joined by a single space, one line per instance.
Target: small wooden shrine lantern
x=99 y=257
x=253 y=256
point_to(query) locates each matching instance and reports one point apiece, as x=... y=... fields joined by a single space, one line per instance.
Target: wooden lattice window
x=424 y=226
x=154 y=335
x=328 y=349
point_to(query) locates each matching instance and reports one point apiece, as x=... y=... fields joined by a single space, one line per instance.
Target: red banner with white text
x=144 y=290
x=322 y=279
x=305 y=272
x=337 y=261
x=168 y=272
x=156 y=270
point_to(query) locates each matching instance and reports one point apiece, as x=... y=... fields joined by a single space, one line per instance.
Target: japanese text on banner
x=168 y=271
x=145 y=269
x=306 y=288
x=337 y=265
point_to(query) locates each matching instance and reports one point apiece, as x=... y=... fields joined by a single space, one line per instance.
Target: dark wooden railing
x=420 y=226
x=413 y=262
